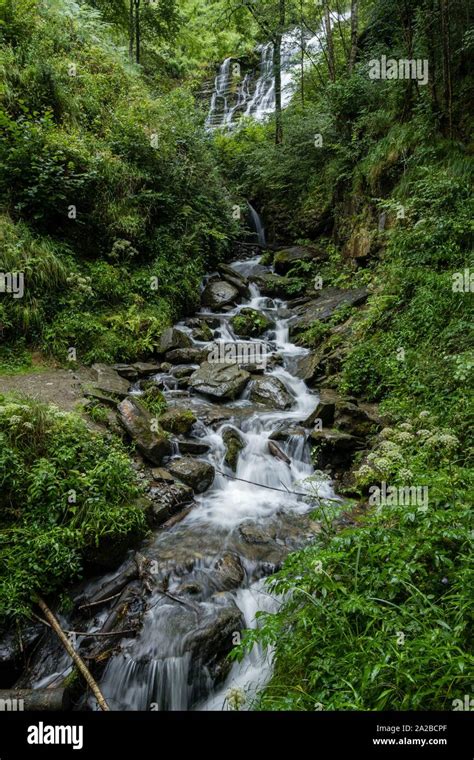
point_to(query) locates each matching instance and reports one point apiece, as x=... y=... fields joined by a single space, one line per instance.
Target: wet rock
x=219 y=293
x=324 y=410
x=173 y=338
x=183 y=370
x=308 y=368
x=137 y=421
x=228 y=572
x=356 y=420
x=195 y=473
x=334 y=448
x=168 y=499
x=223 y=381
x=126 y=371
x=255 y=534
x=234 y=445
x=160 y=474
x=250 y=323
x=270 y=391
x=284 y=260
x=192 y=446
x=235 y=279
x=177 y=420
x=213 y=637
x=190 y=355
x=285 y=431
x=145 y=369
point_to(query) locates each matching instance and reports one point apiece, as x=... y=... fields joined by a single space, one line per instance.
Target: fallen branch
x=78 y=661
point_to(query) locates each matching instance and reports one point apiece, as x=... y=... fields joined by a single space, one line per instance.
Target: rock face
x=234 y=445
x=224 y=381
x=250 y=323
x=308 y=367
x=325 y=409
x=173 y=338
x=194 y=472
x=270 y=391
x=323 y=307
x=137 y=421
x=335 y=449
x=284 y=260
x=219 y=293
x=179 y=421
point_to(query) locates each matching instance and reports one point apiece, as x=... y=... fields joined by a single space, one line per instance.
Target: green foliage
x=378 y=616
x=64 y=490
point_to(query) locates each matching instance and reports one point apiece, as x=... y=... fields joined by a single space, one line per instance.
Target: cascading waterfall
x=254 y=95
x=170 y=664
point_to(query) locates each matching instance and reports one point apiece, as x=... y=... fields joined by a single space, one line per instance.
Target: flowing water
x=172 y=663
x=253 y=95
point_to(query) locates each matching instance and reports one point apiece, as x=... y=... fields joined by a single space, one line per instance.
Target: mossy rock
x=178 y=421
x=250 y=323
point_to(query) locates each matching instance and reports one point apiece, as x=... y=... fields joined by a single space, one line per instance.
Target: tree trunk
x=329 y=43
x=354 y=33
x=131 y=30
x=13 y=700
x=447 y=83
x=137 y=30
x=277 y=73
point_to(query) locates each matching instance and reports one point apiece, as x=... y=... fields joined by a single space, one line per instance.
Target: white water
x=254 y=96
x=157 y=669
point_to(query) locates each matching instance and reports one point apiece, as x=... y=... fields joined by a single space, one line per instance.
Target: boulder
x=167 y=499
x=250 y=323
x=109 y=381
x=195 y=473
x=126 y=371
x=145 y=369
x=235 y=279
x=284 y=260
x=223 y=381
x=334 y=448
x=192 y=446
x=173 y=338
x=191 y=355
x=355 y=420
x=308 y=367
x=177 y=420
x=228 y=572
x=324 y=410
x=137 y=421
x=270 y=391
x=219 y=293
x=234 y=445
x=182 y=370
x=274 y=286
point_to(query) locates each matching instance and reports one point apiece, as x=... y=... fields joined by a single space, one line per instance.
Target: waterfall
x=253 y=95
x=256 y=223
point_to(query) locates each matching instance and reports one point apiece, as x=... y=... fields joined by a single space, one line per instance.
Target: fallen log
x=78 y=661
x=275 y=451
x=13 y=700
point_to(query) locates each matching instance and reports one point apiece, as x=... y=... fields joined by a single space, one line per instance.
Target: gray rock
x=173 y=338
x=177 y=420
x=167 y=499
x=137 y=421
x=191 y=355
x=224 y=381
x=270 y=391
x=324 y=410
x=145 y=369
x=109 y=381
x=219 y=293
x=323 y=307
x=194 y=472
x=250 y=323
x=334 y=448
x=308 y=367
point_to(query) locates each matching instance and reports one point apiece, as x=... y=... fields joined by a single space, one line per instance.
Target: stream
x=213 y=563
